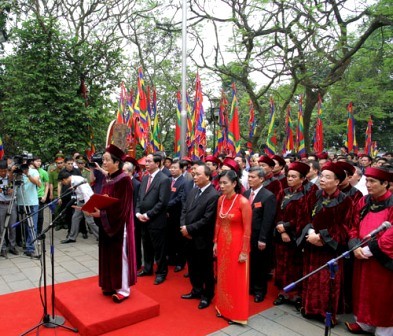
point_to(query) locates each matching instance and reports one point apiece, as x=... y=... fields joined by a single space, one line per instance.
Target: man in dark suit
x=153 y=198
x=163 y=168
x=129 y=167
x=263 y=203
x=197 y=224
x=176 y=254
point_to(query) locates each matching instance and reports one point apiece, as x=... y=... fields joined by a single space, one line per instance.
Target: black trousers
x=259 y=267
x=154 y=248
x=200 y=269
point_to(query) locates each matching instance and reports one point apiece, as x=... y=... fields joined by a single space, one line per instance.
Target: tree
x=43 y=111
x=305 y=43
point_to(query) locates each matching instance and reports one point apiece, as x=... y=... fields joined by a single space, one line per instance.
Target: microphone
x=383 y=227
x=78 y=184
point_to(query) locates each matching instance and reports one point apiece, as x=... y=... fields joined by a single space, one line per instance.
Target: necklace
x=224 y=215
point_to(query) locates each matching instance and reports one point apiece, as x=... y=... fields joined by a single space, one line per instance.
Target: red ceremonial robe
x=274 y=186
x=332 y=218
x=113 y=219
x=294 y=214
x=373 y=278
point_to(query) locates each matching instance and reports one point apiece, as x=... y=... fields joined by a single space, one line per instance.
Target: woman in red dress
x=232 y=247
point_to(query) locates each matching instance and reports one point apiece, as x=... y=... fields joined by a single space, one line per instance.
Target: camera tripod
x=28 y=217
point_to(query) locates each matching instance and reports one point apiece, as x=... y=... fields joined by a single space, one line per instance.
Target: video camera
x=20 y=163
x=96 y=158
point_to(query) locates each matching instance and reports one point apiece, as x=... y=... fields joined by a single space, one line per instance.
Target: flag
x=198 y=142
x=1 y=149
x=121 y=107
x=300 y=147
x=368 y=142
x=288 y=142
x=222 y=134
x=251 y=125
x=374 y=149
x=318 y=139
x=271 y=140
x=157 y=145
x=142 y=118
x=350 y=142
x=233 y=126
x=176 y=148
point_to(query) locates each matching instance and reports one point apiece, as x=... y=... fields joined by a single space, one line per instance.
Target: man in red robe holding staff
x=373 y=269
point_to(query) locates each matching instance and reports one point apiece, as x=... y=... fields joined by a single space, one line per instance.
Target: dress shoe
x=108 y=293
x=190 y=296
x=144 y=273
x=14 y=251
x=28 y=253
x=281 y=299
x=259 y=298
x=204 y=303
x=178 y=269
x=67 y=241
x=355 y=328
x=298 y=304
x=159 y=280
x=3 y=254
x=84 y=235
x=118 y=298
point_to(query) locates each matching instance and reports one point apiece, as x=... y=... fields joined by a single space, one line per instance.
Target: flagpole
x=183 y=114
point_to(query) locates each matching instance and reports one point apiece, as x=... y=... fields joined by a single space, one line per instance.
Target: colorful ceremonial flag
x=368 y=142
x=288 y=143
x=157 y=145
x=271 y=140
x=300 y=147
x=350 y=142
x=121 y=108
x=318 y=140
x=233 y=126
x=222 y=134
x=1 y=149
x=176 y=148
x=251 y=125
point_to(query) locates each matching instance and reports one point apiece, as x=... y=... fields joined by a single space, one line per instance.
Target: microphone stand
x=51 y=321
x=332 y=265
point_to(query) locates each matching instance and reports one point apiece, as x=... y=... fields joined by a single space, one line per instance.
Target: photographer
x=27 y=199
x=6 y=192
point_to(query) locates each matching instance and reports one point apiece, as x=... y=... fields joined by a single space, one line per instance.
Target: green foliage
x=43 y=110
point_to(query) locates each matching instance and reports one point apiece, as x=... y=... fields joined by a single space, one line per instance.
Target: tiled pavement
x=79 y=260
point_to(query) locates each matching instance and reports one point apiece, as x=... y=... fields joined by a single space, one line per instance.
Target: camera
x=20 y=162
x=96 y=158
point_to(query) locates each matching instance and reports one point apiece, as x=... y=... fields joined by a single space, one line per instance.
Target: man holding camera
x=6 y=194
x=27 y=199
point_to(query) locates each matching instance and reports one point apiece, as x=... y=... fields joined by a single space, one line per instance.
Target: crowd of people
x=232 y=224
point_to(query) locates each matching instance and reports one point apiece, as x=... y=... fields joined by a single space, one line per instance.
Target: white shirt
x=84 y=191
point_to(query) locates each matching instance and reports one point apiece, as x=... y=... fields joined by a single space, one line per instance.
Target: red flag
x=368 y=142
x=318 y=141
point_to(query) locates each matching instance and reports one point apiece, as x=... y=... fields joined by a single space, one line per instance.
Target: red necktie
x=149 y=182
x=173 y=183
x=252 y=196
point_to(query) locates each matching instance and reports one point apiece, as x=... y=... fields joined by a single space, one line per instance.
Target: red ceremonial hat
x=132 y=160
x=142 y=161
x=280 y=160
x=115 y=151
x=301 y=167
x=186 y=158
x=231 y=163
x=379 y=174
x=337 y=170
x=213 y=159
x=350 y=169
x=322 y=156
x=267 y=160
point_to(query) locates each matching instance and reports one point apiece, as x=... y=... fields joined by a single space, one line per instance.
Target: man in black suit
x=129 y=168
x=153 y=198
x=176 y=254
x=163 y=168
x=197 y=224
x=263 y=203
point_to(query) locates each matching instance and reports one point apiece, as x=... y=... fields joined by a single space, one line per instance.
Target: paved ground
x=79 y=260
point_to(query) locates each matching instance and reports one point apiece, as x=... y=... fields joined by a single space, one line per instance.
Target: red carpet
x=92 y=313
x=22 y=310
